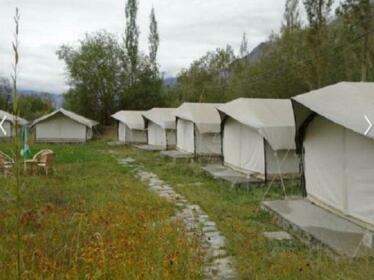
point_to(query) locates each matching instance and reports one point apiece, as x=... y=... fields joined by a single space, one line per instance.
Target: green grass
x=238 y=215
x=92 y=220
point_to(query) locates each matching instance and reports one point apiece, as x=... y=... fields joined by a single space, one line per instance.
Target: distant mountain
x=57 y=99
x=256 y=54
x=252 y=58
x=170 y=81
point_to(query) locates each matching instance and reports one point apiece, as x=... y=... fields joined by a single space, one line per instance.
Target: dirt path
x=218 y=265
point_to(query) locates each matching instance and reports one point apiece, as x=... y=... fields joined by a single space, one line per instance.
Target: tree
x=95 y=70
x=132 y=37
x=290 y=48
x=205 y=80
x=154 y=41
x=244 y=46
x=145 y=93
x=358 y=21
x=33 y=107
x=318 y=12
x=5 y=94
x=291 y=17
x=291 y=35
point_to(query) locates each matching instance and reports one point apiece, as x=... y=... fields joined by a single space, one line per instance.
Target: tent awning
x=163 y=117
x=345 y=103
x=204 y=115
x=133 y=119
x=272 y=118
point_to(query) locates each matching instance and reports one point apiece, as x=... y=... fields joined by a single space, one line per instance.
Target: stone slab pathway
x=218 y=264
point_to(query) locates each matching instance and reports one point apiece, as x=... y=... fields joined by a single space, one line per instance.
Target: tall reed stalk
x=16 y=142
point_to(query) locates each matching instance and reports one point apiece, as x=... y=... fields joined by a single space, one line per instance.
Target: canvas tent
x=63 y=126
x=131 y=127
x=259 y=136
x=199 y=129
x=161 y=127
x=338 y=158
x=9 y=123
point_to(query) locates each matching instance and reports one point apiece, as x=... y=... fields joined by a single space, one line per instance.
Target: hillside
x=57 y=99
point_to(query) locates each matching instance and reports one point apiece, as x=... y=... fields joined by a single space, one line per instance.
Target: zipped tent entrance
x=185 y=136
x=339 y=169
x=243 y=148
x=156 y=135
x=161 y=126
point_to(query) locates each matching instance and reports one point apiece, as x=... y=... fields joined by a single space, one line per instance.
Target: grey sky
x=188 y=28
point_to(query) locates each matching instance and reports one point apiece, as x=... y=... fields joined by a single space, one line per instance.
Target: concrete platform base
x=149 y=148
x=116 y=143
x=228 y=175
x=177 y=155
x=321 y=228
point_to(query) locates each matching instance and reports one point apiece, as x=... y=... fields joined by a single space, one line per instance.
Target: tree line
x=30 y=106
x=107 y=74
x=330 y=46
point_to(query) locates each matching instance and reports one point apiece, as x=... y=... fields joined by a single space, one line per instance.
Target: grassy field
x=239 y=217
x=92 y=220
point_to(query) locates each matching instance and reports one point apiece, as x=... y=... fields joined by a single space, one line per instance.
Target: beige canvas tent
x=199 y=129
x=338 y=157
x=63 y=126
x=161 y=127
x=259 y=136
x=8 y=124
x=131 y=127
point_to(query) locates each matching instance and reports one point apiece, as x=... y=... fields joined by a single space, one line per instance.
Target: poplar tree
x=132 y=38
x=318 y=12
x=244 y=46
x=154 y=41
x=291 y=16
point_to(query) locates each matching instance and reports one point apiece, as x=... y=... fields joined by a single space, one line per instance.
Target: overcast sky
x=188 y=29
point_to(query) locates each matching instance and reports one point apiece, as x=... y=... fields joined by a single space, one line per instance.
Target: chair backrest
x=5 y=158
x=46 y=157
x=38 y=156
x=5 y=161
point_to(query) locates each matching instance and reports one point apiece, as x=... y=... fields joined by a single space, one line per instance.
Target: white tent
x=161 y=127
x=199 y=129
x=131 y=127
x=259 y=136
x=8 y=124
x=338 y=157
x=63 y=126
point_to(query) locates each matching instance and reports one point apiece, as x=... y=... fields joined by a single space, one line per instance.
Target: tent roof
x=163 y=117
x=204 y=115
x=75 y=117
x=344 y=103
x=12 y=118
x=133 y=119
x=272 y=118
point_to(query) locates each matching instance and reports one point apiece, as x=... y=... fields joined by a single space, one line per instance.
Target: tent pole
x=280 y=172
